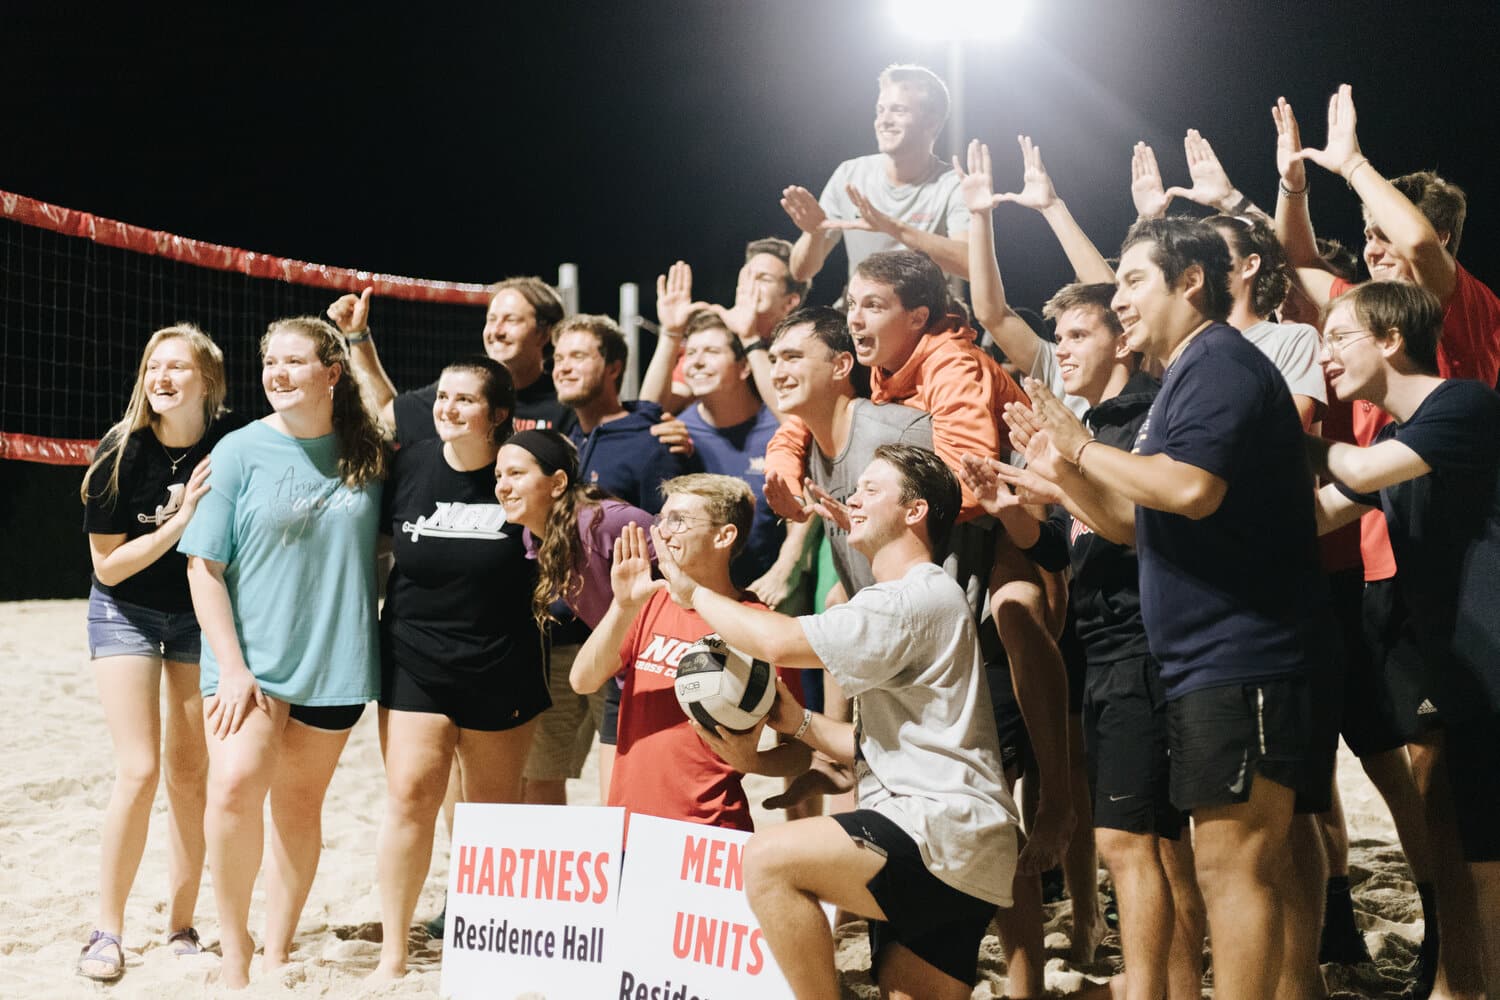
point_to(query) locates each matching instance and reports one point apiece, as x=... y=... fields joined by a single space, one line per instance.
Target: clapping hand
x=1211 y=185
x=1067 y=432
x=781 y=499
x=1289 y=147
x=824 y=504
x=799 y=203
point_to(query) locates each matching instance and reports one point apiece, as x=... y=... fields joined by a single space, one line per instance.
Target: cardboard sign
x=686 y=931
x=532 y=902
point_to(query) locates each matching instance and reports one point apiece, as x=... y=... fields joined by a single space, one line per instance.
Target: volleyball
x=719 y=686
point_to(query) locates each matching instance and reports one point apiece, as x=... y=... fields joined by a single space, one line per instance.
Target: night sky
x=624 y=135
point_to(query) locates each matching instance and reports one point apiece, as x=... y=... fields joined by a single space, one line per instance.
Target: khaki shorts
x=564 y=732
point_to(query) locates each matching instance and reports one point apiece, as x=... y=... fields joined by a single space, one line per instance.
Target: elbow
x=1200 y=501
x=580 y=680
x=107 y=575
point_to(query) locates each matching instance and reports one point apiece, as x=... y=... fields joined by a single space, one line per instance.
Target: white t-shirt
x=927 y=755
x=1293 y=349
x=933 y=204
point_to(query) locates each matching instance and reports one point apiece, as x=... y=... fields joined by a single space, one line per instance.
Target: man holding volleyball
x=661 y=768
x=931 y=851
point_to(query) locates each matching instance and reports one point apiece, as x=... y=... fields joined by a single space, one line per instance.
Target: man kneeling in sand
x=931 y=851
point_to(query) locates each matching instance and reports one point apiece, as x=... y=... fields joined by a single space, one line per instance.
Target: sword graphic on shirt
x=164 y=512
x=451 y=519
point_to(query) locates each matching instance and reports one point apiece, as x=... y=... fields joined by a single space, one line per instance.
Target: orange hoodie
x=947 y=375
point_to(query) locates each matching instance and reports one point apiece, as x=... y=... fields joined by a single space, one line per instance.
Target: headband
x=552 y=451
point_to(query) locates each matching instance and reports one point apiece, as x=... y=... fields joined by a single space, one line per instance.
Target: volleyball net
x=80 y=295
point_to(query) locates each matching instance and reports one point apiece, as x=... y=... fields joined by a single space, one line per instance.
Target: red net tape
x=110 y=232
x=48 y=451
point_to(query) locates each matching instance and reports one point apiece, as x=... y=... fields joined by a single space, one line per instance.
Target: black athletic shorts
x=1125 y=733
x=491 y=709
x=1220 y=738
x=941 y=925
x=1075 y=661
x=609 y=726
x=1016 y=756
x=1390 y=701
x=1472 y=752
x=331 y=718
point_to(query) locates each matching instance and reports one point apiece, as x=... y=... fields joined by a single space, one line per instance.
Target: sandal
x=97 y=951
x=185 y=942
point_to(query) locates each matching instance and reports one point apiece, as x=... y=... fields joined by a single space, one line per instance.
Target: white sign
x=686 y=931
x=532 y=902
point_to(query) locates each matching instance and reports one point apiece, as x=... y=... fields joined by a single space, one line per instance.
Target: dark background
x=478 y=142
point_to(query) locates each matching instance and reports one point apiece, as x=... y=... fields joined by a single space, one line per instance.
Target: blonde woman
x=140 y=492
x=281 y=563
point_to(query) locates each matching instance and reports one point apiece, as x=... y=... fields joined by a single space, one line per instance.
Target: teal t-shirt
x=299 y=553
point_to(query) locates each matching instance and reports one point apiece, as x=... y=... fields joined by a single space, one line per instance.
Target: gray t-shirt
x=870 y=426
x=926 y=753
x=933 y=204
x=1293 y=349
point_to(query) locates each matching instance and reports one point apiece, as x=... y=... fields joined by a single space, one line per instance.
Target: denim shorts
x=119 y=628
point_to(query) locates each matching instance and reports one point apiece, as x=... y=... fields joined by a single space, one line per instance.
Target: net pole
x=567 y=287
x=630 y=325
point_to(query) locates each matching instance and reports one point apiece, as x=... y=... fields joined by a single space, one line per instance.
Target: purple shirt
x=598 y=527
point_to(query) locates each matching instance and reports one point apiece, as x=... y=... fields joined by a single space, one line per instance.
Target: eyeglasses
x=1336 y=342
x=677 y=522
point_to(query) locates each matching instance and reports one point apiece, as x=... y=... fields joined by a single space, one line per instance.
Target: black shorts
x=493 y=709
x=609 y=726
x=330 y=718
x=1387 y=705
x=941 y=925
x=1220 y=738
x=1472 y=752
x=1075 y=661
x=1016 y=756
x=1125 y=732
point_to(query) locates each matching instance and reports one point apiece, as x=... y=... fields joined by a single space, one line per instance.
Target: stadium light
x=954 y=23
x=958 y=20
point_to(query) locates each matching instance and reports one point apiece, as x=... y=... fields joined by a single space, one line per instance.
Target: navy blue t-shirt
x=740 y=451
x=1231 y=598
x=1445 y=533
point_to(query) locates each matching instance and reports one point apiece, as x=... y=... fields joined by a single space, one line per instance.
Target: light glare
x=958 y=20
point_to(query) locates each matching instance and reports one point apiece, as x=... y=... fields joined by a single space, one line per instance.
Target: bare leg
x=788 y=870
x=1020 y=930
x=241 y=767
x=1081 y=862
x=1019 y=606
x=1461 y=952
x=186 y=766
x=418 y=754
x=904 y=976
x=1240 y=851
x=1303 y=876
x=1486 y=876
x=128 y=689
x=308 y=758
x=1185 y=958
x=1146 y=917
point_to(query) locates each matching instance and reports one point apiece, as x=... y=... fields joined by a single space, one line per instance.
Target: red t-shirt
x=661 y=766
x=1469 y=348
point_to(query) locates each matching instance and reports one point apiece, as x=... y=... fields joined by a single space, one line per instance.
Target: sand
x=57 y=777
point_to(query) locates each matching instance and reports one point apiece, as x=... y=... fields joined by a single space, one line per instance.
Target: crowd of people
x=1109 y=588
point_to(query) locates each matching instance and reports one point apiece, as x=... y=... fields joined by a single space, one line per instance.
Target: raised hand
x=977 y=184
x=871 y=219
x=781 y=499
x=1062 y=425
x=630 y=573
x=982 y=475
x=741 y=318
x=351 y=313
x=674 y=298
x=1036 y=184
x=1341 y=153
x=804 y=210
x=1146 y=191
x=1288 y=147
x=823 y=504
x=1211 y=184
